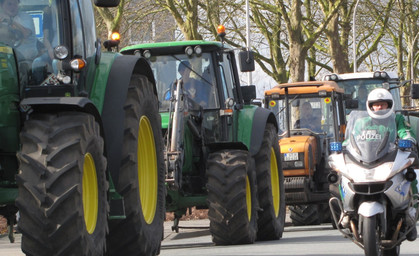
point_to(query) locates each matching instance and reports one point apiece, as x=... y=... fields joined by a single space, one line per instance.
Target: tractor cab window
x=77 y=29
x=22 y=28
x=196 y=73
x=227 y=78
x=33 y=42
x=312 y=113
x=359 y=89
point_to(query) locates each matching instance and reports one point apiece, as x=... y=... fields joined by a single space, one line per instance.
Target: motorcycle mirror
x=414 y=91
x=410 y=175
x=351 y=104
x=332 y=177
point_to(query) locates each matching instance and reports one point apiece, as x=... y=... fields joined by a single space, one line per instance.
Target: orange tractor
x=310 y=115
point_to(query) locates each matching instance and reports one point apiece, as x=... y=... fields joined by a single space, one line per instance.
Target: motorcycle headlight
x=379 y=173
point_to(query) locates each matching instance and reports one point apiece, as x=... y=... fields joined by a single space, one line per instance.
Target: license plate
x=290 y=156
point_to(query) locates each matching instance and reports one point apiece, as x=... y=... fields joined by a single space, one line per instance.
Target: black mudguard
x=113 y=113
x=262 y=116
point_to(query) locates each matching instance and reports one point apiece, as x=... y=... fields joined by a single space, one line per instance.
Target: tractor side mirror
x=248 y=93
x=351 y=104
x=347 y=96
x=247 y=61
x=414 y=91
x=107 y=3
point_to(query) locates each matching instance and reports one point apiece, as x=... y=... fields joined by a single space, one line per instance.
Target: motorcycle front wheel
x=371 y=237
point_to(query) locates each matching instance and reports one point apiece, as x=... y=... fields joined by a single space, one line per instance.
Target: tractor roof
x=305 y=88
x=175 y=46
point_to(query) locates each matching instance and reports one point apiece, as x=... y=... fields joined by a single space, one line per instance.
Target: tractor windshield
x=359 y=89
x=312 y=113
x=29 y=27
x=196 y=73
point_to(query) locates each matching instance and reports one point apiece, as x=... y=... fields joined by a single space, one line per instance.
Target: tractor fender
x=45 y=104
x=113 y=113
x=253 y=136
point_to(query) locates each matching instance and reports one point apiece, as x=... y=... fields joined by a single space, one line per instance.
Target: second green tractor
x=221 y=151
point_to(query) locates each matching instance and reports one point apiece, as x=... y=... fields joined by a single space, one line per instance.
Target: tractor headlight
x=147 y=54
x=380 y=74
x=189 y=50
x=198 y=50
x=61 y=52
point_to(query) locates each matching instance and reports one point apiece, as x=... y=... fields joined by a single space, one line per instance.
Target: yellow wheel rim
x=90 y=193
x=248 y=199
x=275 y=183
x=147 y=169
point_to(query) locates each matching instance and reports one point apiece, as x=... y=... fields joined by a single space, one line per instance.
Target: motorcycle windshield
x=367 y=138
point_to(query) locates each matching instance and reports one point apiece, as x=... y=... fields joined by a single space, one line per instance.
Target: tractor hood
x=296 y=144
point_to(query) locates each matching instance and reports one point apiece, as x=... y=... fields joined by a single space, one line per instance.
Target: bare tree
x=185 y=13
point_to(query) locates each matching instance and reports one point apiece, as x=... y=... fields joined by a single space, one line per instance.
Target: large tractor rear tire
x=304 y=215
x=62 y=186
x=271 y=193
x=231 y=197
x=141 y=177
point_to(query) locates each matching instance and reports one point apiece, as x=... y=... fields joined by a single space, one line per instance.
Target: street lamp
x=354 y=36
x=249 y=74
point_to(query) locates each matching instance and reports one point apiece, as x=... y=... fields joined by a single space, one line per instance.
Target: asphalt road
x=195 y=239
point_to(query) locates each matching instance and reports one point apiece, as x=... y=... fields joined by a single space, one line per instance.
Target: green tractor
x=221 y=151
x=81 y=154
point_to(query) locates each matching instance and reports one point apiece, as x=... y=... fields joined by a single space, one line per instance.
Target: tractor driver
x=18 y=28
x=194 y=88
x=307 y=119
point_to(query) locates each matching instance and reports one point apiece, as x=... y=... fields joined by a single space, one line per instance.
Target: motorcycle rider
x=379 y=103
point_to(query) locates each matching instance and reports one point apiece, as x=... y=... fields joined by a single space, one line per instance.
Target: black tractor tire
x=62 y=185
x=141 y=176
x=270 y=185
x=325 y=215
x=231 y=197
x=304 y=215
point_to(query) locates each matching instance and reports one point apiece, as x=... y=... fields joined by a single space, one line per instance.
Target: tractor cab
x=204 y=73
x=51 y=55
x=358 y=85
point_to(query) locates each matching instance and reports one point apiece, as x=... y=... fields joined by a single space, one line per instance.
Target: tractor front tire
x=62 y=185
x=304 y=215
x=231 y=197
x=270 y=183
x=141 y=177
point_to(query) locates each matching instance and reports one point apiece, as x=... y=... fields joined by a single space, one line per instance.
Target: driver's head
x=380 y=103
x=306 y=110
x=184 y=68
x=362 y=93
x=10 y=7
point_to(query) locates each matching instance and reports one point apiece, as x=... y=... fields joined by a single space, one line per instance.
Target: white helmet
x=379 y=95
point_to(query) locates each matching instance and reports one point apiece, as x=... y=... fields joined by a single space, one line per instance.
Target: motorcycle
x=372 y=173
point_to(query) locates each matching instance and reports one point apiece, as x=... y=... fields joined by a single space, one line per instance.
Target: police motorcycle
x=373 y=173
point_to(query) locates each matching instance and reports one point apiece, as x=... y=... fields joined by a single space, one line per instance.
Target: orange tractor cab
x=310 y=115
